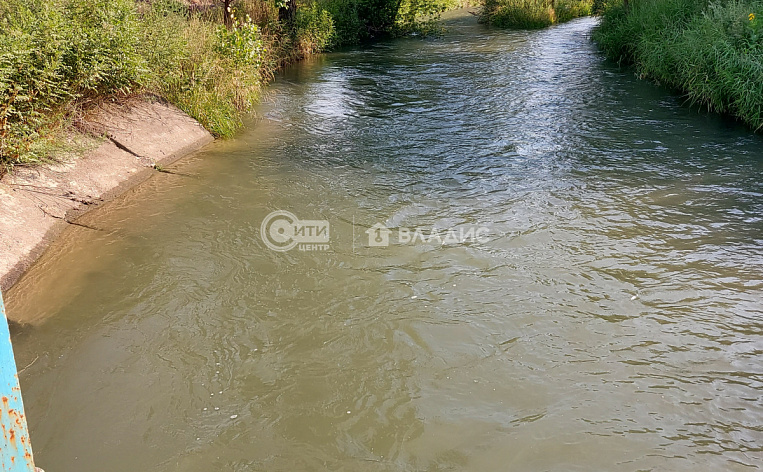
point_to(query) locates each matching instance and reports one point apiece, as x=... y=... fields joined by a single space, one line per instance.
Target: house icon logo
x=378 y=235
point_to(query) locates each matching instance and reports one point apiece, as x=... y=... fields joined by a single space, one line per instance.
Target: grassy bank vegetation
x=531 y=14
x=59 y=58
x=710 y=50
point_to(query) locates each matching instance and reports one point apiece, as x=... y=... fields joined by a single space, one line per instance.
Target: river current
x=609 y=316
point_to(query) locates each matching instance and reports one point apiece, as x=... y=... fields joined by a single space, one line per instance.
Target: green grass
x=710 y=51
x=532 y=14
x=58 y=58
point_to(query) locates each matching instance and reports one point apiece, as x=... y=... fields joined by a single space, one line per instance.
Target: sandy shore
x=37 y=203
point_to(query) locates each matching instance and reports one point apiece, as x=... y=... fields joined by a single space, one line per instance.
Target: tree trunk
x=228 y=18
x=286 y=13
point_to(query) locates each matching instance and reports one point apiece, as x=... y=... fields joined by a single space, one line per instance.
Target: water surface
x=611 y=321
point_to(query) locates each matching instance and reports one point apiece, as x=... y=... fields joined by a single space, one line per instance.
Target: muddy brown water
x=611 y=319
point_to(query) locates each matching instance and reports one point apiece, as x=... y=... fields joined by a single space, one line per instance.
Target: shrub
x=711 y=52
x=242 y=43
x=417 y=15
x=314 y=29
x=567 y=10
x=349 y=27
x=219 y=74
x=356 y=21
x=532 y=14
x=51 y=55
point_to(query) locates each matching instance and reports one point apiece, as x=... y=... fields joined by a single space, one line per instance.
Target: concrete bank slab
x=37 y=203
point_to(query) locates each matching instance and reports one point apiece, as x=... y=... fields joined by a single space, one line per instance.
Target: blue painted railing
x=15 y=449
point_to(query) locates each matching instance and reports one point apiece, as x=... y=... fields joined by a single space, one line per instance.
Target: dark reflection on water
x=611 y=322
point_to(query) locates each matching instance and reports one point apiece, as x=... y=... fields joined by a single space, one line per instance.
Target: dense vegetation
x=710 y=50
x=529 y=14
x=60 y=57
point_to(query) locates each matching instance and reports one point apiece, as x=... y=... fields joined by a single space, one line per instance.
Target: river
x=607 y=316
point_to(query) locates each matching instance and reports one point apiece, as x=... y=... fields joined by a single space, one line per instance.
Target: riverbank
x=532 y=14
x=60 y=58
x=37 y=203
x=711 y=52
x=141 y=84
x=611 y=319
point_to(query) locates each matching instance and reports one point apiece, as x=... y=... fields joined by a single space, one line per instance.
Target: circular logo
x=277 y=230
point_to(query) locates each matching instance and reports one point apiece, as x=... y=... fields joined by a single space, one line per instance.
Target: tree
x=287 y=9
x=227 y=13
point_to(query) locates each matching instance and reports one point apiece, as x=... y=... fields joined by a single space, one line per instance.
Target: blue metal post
x=15 y=449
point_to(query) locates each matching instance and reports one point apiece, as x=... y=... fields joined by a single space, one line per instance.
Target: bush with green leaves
x=357 y=21
x=53 y=54
x=242 y=42
x=314 y=29
x=532 y=14
x=418 y=15
x=219 y=73
x=567 y=10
